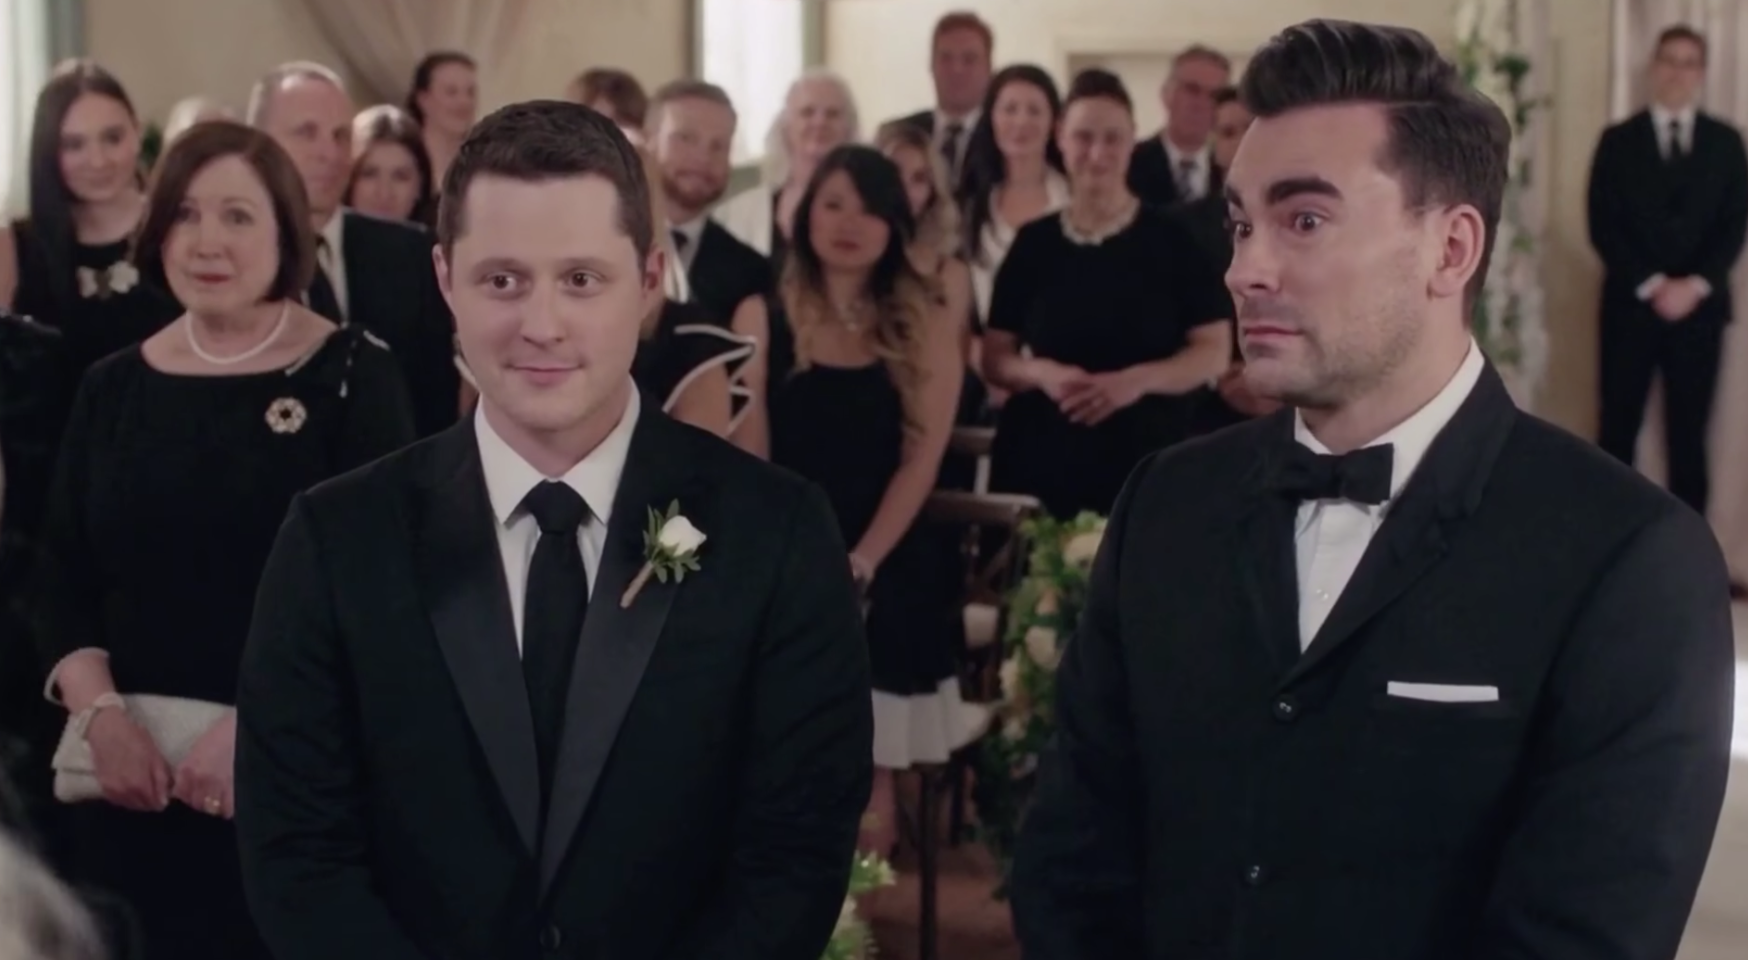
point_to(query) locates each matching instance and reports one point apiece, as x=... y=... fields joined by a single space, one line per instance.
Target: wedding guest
x=1400 y=671
x=178 y=464
x=1176 y=165
x=615 y=94
x=819 y=115
x=1105 y=317
x=859 y=381
x=1013 y=171
x=444 y=102
x=960 y=53
x=192 y=110
x=391 y=172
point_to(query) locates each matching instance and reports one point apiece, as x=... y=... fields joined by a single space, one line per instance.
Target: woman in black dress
x=860 y=377
x=179 y=462
x=1104 y=319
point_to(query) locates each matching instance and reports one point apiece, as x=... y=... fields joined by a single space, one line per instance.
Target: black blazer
x=725 y=272
x=717 y=751
x=1650 y=216
x=1214 y=793
x=392 y=291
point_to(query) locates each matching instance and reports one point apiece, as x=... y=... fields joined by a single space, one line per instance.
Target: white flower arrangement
x=1508 y=321
x=851 y=939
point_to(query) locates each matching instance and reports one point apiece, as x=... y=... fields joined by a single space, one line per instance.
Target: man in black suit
x=691 y=133
x=1668 y=213
x=961 y=52
x=1400 y=671
x=470 y=725
x=371 y=271
x=1177 y=164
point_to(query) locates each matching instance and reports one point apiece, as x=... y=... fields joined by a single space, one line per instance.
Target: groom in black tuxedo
x=1400 y=671
x=468 y=727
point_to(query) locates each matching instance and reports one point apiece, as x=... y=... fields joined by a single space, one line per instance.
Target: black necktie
x=1677 y=149
x=555 y=603
x=950 y=149
x=321 y=297
x=1362 y=476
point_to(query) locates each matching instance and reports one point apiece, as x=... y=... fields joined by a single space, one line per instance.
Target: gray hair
x=776 y=163
x=265 y=89
x=40 y=919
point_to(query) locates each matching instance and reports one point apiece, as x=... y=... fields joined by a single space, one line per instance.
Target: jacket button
x=1254 y=875
x=551 y=939
x=1286 y=710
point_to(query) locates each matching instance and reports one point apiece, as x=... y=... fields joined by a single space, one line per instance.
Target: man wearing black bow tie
x=1399 y=672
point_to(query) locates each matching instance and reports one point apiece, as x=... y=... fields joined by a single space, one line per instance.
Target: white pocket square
x=1443 y=692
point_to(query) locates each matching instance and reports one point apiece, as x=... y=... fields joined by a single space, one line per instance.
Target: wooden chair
x=979 y=519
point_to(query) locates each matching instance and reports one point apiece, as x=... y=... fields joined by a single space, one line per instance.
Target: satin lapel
x=1267 y=563
x=461 y=577
x=1417 y=530
x=617 y=641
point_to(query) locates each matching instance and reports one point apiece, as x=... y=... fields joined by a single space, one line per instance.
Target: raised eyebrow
x=1283 y=190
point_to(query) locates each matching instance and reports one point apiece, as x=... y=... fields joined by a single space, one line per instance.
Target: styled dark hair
x=195 y=150
x=387 y=123
x=620 y=89
x=1224 y=96
x=51 y=202
x=984 y=167
x=1097 y=83
x=1683 y=32
x=1447 y=144
x=426 y=71
x=548 y=140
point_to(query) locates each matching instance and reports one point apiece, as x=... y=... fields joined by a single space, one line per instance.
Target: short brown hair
x=619 y=88
x=963 y=20
x=687 y=89
x=1683 y=32
x=1199 y=51
x=192 y=152
x=1446 y=145
x=548 y=140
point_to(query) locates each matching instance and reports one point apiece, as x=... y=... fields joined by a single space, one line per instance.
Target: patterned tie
x=1186 y=178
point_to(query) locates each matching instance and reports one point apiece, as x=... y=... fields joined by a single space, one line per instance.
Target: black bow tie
x=1362 y=476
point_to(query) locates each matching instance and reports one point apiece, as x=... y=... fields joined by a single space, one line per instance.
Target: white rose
x=679 y=538
x=1010 y=679
x=1048 y=604
x=1041 y=647
x=1083 y=547
x=1014 y=730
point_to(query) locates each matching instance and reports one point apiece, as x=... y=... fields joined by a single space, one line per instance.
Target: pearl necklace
x=249 y=354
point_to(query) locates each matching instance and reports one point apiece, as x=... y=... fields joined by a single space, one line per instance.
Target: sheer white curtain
x=1725 y=26
x=381 y=41
x=24 y=65
x=753 y=49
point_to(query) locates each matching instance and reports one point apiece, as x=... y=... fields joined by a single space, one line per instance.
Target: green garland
x=852 y=940
x=1042 y=612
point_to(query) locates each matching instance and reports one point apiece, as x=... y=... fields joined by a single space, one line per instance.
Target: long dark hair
x=51 y=202
x=985 y=168
x=900 y=296
x=426 y=71
x=387 y=123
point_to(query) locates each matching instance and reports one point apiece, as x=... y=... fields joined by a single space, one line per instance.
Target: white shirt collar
x=1661 y=115
x=595 y=478
x=333 y=231
x=1200 y=157
x=693 y=229
x=965 y=120
x=1413 y=436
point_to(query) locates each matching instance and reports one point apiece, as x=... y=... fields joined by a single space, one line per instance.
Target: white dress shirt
x=693 y=231
x=332 y=259
x=1682 y=120
x=509 y=478
x=1332 y=535
x=967 y=123
x=1200 y=168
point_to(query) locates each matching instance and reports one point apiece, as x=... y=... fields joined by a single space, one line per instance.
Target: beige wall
x=165 y=50
x=881 y=47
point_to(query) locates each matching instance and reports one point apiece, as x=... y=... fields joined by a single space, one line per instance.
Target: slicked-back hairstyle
x=547 y=140
x=198 y=148
x=1447 y=144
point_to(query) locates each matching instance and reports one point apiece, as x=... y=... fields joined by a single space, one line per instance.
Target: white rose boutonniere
x=670 y=549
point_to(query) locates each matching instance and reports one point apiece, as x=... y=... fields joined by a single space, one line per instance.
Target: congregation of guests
x=258 y=312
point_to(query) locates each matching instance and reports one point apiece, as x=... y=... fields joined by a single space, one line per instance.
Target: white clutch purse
x=174 y=723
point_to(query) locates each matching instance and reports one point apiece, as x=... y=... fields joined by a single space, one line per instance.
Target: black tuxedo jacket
x=725 y=272
x=1214 y=793
x=1682 y=218
x=717 y=750
x=392 y=291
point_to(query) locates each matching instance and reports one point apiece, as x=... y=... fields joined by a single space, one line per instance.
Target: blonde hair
x=937 y=226
x=40 y=919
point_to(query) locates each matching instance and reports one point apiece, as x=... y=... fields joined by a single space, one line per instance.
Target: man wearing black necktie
x=569 y=679
x=960 y=56
x=1400 y=671
x=1668 y=214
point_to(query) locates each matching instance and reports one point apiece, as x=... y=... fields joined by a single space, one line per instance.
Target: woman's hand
x=1058 y=380
x=862 y=569
x=203 y=780
x=129 y=768
x=1093 y=400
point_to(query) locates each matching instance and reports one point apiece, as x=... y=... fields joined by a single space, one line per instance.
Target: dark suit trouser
x=1686 y=354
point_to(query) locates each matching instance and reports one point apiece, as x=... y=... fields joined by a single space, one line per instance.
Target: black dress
x=686 y=342
x=168 y=495
x=844 y=429
x=1131 y=298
